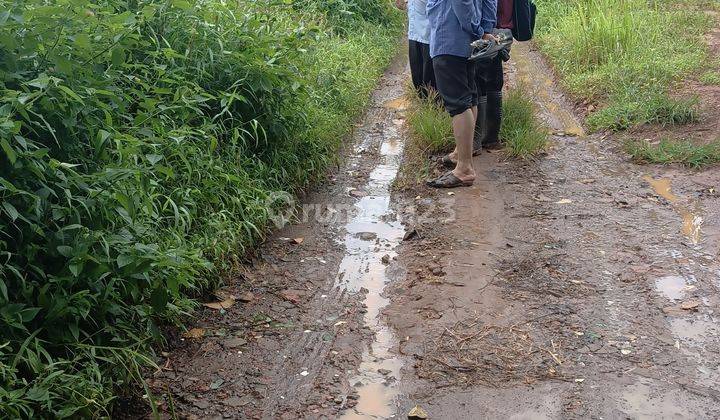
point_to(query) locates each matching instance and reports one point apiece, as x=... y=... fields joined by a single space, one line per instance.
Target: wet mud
x=576 y=285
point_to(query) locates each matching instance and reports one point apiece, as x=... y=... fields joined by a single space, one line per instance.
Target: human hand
x=490 y=37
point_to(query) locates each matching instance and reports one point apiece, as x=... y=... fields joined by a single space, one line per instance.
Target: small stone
x=202 y=404
x=233 y=343
x=247 y=297
x=384 y=372
x=367 y=236
x=386 y=259
x=437 y=271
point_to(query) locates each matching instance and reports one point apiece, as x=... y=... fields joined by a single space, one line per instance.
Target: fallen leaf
x=690 y=305
x=417 y=412
x=223 y=304
x=290 y=296
x=298 y=240
x=194 y=333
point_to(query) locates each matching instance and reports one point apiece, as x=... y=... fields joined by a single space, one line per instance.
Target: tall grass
x=523 y=134
x=669 y=151
x=141 y=142
x=623 y=55
x=430 y=126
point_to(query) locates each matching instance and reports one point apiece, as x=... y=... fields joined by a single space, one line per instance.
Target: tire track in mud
x=304 y=340
x=564 y=258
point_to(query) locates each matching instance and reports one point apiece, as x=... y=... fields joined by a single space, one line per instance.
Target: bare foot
x=464 y=175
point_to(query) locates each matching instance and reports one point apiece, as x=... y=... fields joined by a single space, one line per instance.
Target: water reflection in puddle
x=672 y=287
x=691 y=218
x=371 y=235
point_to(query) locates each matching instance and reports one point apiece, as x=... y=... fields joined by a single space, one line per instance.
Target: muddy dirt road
x=575 y=286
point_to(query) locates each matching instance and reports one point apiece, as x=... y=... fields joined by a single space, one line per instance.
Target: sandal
x=447 y=162
x=448 y=180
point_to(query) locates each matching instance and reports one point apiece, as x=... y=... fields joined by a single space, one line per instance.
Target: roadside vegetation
x=618 y=56
x=668 y=151
x=141 y=145
x=522 y=134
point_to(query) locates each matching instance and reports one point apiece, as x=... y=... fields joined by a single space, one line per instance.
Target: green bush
x=141 y=142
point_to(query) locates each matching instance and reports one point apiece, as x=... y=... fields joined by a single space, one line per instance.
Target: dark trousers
x=421 y=67
x=489 y=76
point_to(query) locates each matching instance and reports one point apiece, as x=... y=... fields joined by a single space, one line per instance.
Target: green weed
x=668 y=151
x=612 y=51
x=430 y=126
x=141 y=145
x=521 y=132
x=711 y=78
x=652 y=109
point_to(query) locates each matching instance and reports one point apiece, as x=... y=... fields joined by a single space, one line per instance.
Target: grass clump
x=141 y=145
x=668 y=151
x=430 y=126
x=617 y=53
x=521 y=132
x=710 y=78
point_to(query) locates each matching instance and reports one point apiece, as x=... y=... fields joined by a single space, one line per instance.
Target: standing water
x=372 y=237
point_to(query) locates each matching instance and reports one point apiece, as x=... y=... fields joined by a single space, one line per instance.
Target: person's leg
x=493 y=119
x=416 y=64
x=454 y=76
x=463 y=128
x=428 y=76
x=482 y=76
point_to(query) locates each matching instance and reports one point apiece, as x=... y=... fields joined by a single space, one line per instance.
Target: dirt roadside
x=577 y=285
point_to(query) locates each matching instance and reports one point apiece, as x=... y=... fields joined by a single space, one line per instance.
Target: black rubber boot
x=493 y=119
x=480 y=125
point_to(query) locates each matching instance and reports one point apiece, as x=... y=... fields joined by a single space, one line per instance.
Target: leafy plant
x=140 y=142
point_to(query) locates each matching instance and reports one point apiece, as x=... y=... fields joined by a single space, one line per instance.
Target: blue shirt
x=454 y=24
x=418 y=23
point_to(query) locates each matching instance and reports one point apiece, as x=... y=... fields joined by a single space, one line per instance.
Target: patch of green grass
x=430 y=126
x=652 y=109
x=521 y=132
x=618 y=51
x=674 y=151
x=710 y=78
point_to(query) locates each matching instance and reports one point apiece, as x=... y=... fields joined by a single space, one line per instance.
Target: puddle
x=643 y=400
x=662 y=187
x=692 y=222
x=672 y=287
x=362 y=268
x=691 y=218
